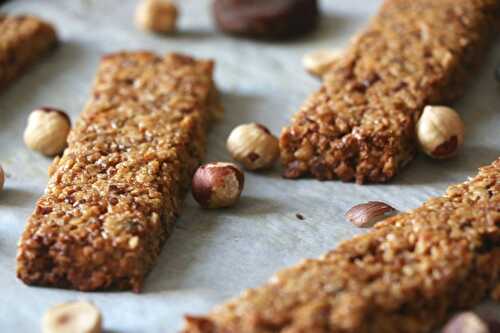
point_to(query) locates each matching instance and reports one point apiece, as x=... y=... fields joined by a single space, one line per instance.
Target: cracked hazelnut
x=2 y=178
x=254 y=146
x=319 y=61
x=367 y=214
x=440 y=132
x=72 y=317
x=217 y=185
x=156 y=15
x=47 y=131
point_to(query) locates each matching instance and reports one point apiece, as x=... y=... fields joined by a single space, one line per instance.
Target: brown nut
x=440 y=132
x=2 y=178
x=253 y=146
x=72 y=317
x=47 y=131
x=367 y=214
x=157 y=16
x=319 y=61
x=217 y=185
x=469 y=322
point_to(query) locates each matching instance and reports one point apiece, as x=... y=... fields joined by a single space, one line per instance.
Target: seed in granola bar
x=217 y=185
x=267 y=19
x=317 y=62
x=72 y=317
x=440 y=132
x=47 y=131
x=157 y=16
x=367 y=214
x=469 y=322
x=254 y=146
x=2 y=178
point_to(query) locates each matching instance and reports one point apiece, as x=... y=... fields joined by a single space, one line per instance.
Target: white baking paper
x=215 y=254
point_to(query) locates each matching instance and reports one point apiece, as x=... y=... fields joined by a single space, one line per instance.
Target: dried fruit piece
x=266 y=18
x=217 y=185
x=72 y=317
x=367 y=214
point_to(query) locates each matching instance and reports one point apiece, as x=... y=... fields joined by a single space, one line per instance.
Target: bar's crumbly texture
x=23 y=40
x=360 y=124
x=405 y=276
x=114 y=195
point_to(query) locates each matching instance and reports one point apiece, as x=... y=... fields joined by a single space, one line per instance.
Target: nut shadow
x=15 y=197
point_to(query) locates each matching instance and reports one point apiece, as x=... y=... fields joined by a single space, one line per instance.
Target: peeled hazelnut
x=317 y=62
x=469 y=322
x=366 y=215
x=440 y=132
x=47 y=131
x=2 y=178
x=73 y=317
x=254 y=146
x=217 y=185
x=156 y=15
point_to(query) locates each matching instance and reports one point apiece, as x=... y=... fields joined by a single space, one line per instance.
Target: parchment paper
x=212 y=255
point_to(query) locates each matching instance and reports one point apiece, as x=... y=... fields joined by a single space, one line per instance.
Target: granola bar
x=360 y=124
x=114 y=195
x=23 y=40
x=406 y=275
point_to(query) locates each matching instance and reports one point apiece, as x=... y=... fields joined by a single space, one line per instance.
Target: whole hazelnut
x=2 y=178
x=254 y=146
x=47 y=131
x=156 y=15
x=317 y=62
x=440 y=132
x=217 y=185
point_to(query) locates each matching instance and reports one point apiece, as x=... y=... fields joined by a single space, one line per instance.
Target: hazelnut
x=217 y=185
x=72 y=317
x=367 y=214
x=469 y=322
x=156 y=15
x=319 y=61
x=2 y=178
x=254 y=146
x=47 y=131
x=440 y=132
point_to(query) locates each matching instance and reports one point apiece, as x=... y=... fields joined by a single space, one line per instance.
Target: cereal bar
x=360 y=124
x=23 y=40
x=115 y=193
x=407 y=275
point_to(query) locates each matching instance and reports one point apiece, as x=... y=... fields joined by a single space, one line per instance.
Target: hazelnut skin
x=47 y=131
x=254 y=146
x=217 y=185
x=440 y=132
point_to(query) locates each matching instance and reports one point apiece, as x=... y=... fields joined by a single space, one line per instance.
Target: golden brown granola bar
x=114 y=195
x=405 y=276
x=23 y=40
x=360 y=124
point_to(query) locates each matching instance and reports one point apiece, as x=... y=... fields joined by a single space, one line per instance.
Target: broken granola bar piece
x=114 y=195
x=23 y=40
x=409 y=274
x=360 y=124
